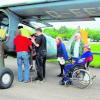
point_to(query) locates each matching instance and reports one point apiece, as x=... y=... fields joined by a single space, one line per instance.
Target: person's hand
x=33 y=40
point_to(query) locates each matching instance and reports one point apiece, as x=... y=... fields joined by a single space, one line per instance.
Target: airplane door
x=9 y=22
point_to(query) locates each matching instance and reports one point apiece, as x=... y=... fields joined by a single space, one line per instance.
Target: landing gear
x=6 y=78
x=6 y=75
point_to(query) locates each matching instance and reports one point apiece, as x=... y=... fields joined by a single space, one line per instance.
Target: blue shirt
x=61 y=51
x=85 y=55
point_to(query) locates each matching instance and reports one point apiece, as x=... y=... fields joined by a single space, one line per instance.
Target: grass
x=52 y=60
x=95 y=48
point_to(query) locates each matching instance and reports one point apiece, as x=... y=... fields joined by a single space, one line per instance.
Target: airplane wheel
x=6 y=78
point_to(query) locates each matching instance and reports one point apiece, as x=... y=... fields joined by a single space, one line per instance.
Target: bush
x=66 y=33
x=63 y=32
x=51 y=31
x=94 y=34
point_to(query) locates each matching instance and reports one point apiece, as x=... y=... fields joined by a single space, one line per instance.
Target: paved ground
x=50 y=89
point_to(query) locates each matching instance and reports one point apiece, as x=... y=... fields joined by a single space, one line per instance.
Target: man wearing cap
x=27 y=32
x=22 y=45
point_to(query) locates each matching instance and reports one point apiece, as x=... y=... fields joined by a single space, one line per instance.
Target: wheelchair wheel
x=81 y=78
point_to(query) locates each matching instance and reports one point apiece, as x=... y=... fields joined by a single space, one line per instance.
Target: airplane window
x=40 y=24
x=4 y=22
x=37 y=24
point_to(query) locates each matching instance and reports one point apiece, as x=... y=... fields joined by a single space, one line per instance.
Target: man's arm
x=35 y=43
x=30 y=47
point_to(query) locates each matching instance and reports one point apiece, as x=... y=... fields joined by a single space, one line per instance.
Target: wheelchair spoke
x=81 y=78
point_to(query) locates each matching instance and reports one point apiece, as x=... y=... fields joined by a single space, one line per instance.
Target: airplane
x=29 y=12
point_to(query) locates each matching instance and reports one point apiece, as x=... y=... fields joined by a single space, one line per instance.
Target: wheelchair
x=78 y=73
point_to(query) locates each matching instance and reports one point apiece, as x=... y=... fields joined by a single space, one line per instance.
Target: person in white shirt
x=76 y=47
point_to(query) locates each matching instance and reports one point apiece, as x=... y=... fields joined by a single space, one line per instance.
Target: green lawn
x=96 y=61
x=52 y=60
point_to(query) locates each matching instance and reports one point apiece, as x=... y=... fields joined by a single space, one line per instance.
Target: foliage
x=94 y=34
x=51 y=31
x=66 y=33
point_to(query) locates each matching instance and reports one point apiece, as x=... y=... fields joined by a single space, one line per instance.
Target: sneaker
x=37 y=78
x=60 y=75
x=61 y=82
x=27 y=81
x=40 y=81
x=31 y=68
x=20 y=80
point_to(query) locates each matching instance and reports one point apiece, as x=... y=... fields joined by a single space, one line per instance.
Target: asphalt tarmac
x=50 y=88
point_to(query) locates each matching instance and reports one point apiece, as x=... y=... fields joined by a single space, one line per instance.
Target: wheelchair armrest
x=70 y=59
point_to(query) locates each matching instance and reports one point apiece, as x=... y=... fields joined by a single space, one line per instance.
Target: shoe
x=40 y=79
x=27 y=81
x=60 y=75
x=20 y=80
x=31 y=68
x=42 y=82
x=37 y=78
x=61 y=82
x=67 y=83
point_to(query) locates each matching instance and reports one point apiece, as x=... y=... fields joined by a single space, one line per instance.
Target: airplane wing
x=54 y=10
x=32 y=11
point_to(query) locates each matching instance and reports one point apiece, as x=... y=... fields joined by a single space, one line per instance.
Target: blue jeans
x=23 y=58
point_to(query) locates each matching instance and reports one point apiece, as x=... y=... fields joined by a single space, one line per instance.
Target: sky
x=82 y=24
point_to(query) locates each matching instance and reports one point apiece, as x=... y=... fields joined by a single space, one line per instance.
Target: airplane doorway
x=4 y=22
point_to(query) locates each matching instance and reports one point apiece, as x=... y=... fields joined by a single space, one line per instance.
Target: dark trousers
x=61 y=68
x=30 y=58
x=40 y=66
x=44 y=67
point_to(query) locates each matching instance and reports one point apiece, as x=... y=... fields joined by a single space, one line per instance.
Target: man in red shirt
x=22 y=45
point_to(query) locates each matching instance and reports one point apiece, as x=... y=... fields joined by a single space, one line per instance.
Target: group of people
x=24 y=46
x=36 y=45
x=80 y=54
x=76 y=50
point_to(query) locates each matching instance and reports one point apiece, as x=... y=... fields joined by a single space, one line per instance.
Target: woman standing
x=61 y=53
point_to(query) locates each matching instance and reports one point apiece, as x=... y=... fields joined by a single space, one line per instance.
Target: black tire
x=6 y=78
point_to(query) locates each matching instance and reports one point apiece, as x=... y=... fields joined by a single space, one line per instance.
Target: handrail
x=96 y=53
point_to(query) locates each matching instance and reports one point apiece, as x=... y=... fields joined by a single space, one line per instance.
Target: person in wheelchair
x=81 y=63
